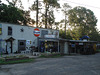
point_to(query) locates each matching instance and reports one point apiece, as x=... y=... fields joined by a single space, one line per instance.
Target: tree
x=75 y=33
x=11 y=14
x=82 y=19
x=51 y=18
x=27 y=19
x=65 y=9
x=36 y=7
x=47 y=18
x=57 y=25
x=62 y=34
x=67 y=36
x=95 y=35
x=48 y=4
x=15 y=3
x=0 y=1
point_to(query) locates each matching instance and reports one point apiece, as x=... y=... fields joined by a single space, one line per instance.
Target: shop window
x=21 y=43
x=9 y=30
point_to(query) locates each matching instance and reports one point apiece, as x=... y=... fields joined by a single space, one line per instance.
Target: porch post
x=38 y=44
x=11 y=47
x=6 y=48
x=58 y=46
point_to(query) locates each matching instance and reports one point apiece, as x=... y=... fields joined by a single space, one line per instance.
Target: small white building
x=17 y=38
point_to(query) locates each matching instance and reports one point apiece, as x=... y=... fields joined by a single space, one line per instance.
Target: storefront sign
x=72 y=45
x=84 y=39
x=36 y=32
x=28 y=42
x=80 y=43
x=50 y=36
x=44 y=32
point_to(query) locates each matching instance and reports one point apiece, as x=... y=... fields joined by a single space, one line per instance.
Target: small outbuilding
x=82 y=46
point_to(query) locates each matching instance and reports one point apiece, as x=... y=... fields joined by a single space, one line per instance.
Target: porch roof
x=10 y=39
x=81 y=41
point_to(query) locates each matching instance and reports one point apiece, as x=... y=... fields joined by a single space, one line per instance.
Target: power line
x=82 y=4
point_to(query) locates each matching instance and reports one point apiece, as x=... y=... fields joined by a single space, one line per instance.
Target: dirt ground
x=67 y=65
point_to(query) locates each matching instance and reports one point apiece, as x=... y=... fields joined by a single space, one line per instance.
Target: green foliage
x=83 y=22
x=62 y=34
x=68 y=35
x=15 y=3
x=80 y=16
x=51 y=55
x=47 y=17
x=2 y=61
x=94 y=35
x=10 y=14
x=18 y=56
x=51 y=18
x=76 y=34
x=65 y=8
x=50 y=4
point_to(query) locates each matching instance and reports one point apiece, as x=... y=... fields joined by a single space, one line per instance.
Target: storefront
x=82 y=47
x=48 y=44
x=21 y=38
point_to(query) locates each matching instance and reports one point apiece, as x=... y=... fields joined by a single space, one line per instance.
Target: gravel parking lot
x=67 y=65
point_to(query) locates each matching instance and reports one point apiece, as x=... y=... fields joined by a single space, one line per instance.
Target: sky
x=93 y=5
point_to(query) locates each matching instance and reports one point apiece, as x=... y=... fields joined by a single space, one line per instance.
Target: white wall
x=18 y=35
x=66 y=48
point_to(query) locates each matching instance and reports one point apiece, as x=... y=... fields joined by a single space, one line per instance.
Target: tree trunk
x=46 y=10
x=37 y=15
x=65 y=26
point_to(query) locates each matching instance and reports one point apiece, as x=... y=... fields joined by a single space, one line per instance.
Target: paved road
x=67 y=65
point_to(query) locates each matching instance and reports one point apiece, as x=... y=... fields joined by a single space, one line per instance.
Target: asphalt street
x=67 y=65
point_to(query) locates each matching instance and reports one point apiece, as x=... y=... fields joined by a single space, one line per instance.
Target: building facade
x=17 y=38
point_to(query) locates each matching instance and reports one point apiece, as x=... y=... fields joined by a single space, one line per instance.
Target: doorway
x=21 y=45
x=9 y=47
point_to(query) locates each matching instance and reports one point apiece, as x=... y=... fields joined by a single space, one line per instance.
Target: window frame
x=9 y=30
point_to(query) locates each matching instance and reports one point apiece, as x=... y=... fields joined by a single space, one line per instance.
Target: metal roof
x=82 y=41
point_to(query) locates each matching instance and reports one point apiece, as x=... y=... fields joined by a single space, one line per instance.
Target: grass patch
x=2 y=61
x=18 y=56
x=98 y=50
x=52 y=55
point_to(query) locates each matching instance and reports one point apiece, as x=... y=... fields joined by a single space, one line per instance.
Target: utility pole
x=37 y=14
